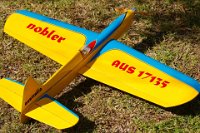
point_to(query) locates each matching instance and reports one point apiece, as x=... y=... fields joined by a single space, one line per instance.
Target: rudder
x=30 y=94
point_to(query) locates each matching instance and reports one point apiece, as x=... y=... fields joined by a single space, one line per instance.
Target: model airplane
x=95 y=55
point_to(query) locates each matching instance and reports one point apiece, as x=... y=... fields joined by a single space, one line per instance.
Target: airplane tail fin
x=44 y=109
x=31 y=90
x=30 y=93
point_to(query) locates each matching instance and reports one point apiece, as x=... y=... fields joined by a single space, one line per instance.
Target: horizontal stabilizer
x=12 y=92
x=53 y=113
x=46 y=109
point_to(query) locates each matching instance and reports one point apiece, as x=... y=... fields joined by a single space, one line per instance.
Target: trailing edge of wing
x=124 y=68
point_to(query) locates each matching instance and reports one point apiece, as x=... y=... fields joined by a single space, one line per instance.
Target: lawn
x=169 y=32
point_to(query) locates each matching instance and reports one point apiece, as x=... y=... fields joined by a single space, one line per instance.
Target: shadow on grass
x=182 y=23
x=164 y=20
x=83 y=88
x=191 y=108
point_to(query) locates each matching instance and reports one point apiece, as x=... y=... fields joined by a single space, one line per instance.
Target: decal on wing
x=124 y=68
x=55 y=39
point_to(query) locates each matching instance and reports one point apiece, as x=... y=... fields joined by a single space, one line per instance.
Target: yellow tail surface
x=44 y=109
x=12 y=93
x=31 y=89
x=53 y=113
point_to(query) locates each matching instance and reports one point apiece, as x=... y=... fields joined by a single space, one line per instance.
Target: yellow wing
x=57 y=40
x=128 y=70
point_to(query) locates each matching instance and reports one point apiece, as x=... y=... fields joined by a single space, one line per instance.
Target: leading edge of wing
x=89 y=34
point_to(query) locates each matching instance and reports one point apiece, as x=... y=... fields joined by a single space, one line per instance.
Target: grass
x=170 y=33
